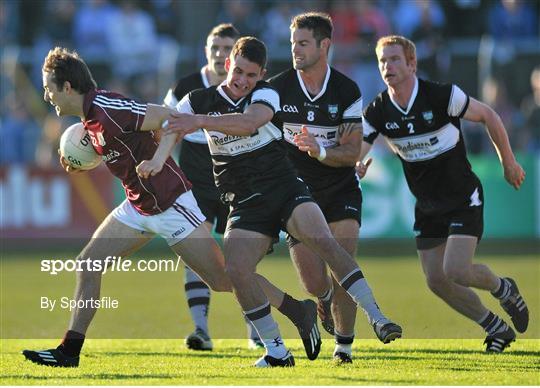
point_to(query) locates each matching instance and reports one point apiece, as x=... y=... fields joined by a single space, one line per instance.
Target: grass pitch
x=439 y=345
x=168 y=362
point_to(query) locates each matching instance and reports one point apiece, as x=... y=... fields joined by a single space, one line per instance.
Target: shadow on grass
x=530 y=353
x=172 y=354
x=103 y=376
x=112 y=376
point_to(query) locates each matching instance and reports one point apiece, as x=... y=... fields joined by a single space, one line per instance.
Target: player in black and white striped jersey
x=420 y=120
x=321 y=120
x=194 y=157
x=253 y=174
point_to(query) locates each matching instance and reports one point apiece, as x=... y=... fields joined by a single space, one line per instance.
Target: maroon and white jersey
x=114 y=122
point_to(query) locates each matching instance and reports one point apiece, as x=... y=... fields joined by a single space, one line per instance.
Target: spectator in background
x=468 y=13
x=59 y=21
x=530 y=108
x=165 y=15
x=494 y=94
x=433 y=59
x=90 y=36
x=133 y=42
x=408 y=15
x=9 y=22
x=512 y=19
x=19 y=133
x=243 y=15
x=358 y=26
x=49 y=142
x=32 y=25
x=276 y=33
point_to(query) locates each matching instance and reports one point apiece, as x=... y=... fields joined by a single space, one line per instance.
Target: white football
x=76 y=148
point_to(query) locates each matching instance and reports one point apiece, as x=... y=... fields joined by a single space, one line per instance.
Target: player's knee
x=457 y=274
x=438 y=283
x=236 y=271
x=315 y=287
x=326 y=246
x=220 y=284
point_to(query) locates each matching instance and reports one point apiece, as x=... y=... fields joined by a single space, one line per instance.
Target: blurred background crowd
x=490 y=48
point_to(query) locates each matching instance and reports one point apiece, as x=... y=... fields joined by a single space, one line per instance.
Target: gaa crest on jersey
x=290 y=109
x=428 y=117
x=333 y=111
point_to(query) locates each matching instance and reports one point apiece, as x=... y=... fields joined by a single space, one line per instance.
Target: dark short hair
x=225 y=30
x=65 y=65
x=252 y=49
x=319 y=23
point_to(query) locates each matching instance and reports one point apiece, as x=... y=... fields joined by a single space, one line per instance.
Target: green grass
x=440 y=346
x=160 y=362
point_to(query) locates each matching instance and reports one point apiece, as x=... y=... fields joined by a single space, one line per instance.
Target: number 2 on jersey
x=410 y=126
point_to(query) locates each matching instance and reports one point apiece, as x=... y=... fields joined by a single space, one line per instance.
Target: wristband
x=322 y=153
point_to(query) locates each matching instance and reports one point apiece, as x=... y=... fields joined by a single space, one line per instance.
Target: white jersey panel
x=270 y=96
x=227 y=145
x=368 y=128
x=326 y=136
x=354 y=111
x=458 y=100
x=170 y=99
x=426 y=146
x=184 y=106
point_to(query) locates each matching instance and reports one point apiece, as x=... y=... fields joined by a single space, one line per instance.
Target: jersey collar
x=224 y=95
x=411 y=100
x=323 y=89
x=204 y=78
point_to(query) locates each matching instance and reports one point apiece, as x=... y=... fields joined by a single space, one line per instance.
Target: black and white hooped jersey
x=241 y=161
x=426 y=136
x=184 y=86
x=338 y=102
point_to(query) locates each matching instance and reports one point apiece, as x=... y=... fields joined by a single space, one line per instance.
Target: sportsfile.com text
x=109 y=264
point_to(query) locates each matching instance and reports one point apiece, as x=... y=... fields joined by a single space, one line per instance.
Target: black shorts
x=340 y=205
x=336 y=207
x=268 y=210
x=214 y=210
x=196 y=162
x=433 y=230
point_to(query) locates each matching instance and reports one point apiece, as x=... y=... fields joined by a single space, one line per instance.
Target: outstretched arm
x=155 y=116
x=235 y=124
x=482 y=113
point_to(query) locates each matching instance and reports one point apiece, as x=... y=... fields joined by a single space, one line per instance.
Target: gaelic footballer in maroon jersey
x=122 y=126
x=114 y=123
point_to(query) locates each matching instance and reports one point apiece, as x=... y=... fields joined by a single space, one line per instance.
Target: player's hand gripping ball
x=76 y=148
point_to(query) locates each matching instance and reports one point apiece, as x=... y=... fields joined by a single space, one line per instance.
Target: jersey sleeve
x=354 y=104
x=266 y=96
x=184 y=106
x=370 y=123
x=354 y=112
x=126 y=114
x=170 y=99
x=458 y=102
x=181 y=88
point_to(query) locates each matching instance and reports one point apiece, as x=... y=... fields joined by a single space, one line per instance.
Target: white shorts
x=174 y=224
